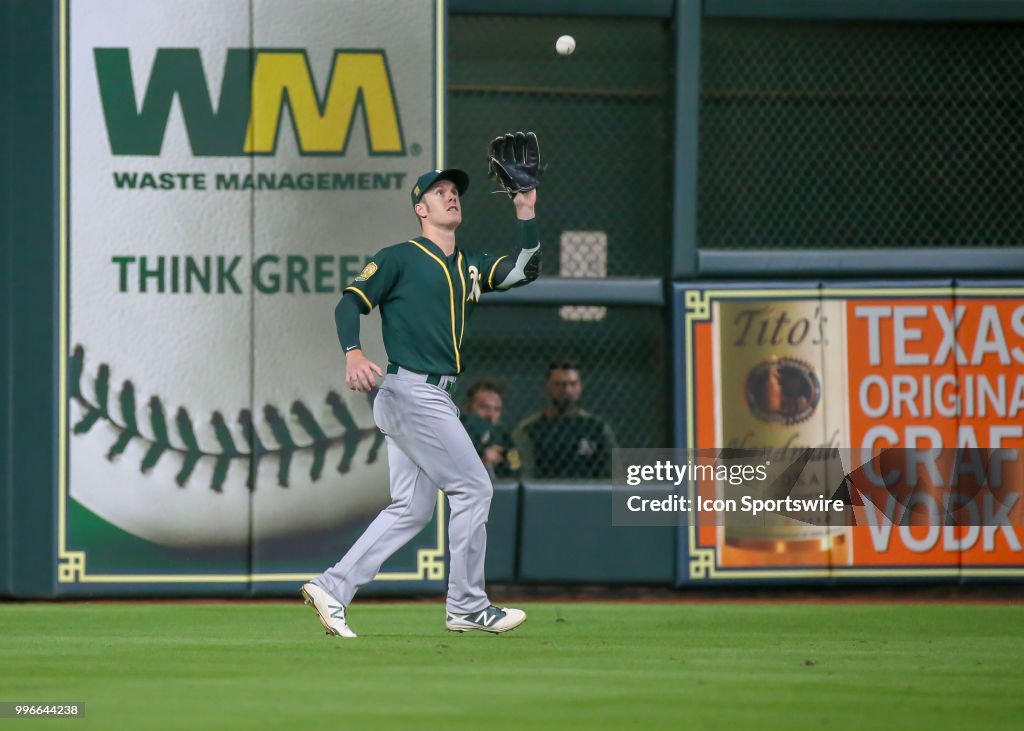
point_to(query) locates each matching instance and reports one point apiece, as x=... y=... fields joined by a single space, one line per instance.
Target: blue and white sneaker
x=491 y=619
x=329 y=610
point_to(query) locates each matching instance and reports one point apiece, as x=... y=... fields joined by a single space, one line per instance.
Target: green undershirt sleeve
x=524 y=268
x=346 y=320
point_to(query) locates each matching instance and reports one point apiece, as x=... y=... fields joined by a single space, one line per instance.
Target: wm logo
x=258 y=86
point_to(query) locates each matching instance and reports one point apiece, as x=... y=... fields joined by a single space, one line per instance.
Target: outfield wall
x=171 y=417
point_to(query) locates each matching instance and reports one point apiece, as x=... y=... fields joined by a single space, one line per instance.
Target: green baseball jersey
x=425 y=299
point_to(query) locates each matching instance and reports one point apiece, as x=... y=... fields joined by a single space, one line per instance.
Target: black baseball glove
x=515 y=162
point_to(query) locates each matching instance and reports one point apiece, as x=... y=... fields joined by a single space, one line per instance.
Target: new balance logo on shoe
x=328 y=609
x=492 y=619
x=486 y=619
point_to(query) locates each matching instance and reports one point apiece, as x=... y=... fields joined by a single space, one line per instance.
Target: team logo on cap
x=368 y=271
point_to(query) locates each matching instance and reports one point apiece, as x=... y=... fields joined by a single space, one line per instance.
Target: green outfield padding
x=502 y=532
x=566 y=535
x=28 y=279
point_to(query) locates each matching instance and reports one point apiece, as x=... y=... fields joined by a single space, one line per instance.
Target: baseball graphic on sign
x=232 y=168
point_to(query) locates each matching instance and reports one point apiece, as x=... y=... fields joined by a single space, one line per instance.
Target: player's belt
x=445 y=382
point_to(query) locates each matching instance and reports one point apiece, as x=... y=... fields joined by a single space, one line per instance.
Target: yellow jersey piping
x=490 y=277
x=350 y=288
x=462 y=326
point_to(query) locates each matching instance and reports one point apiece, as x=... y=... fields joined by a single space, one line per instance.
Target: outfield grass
x=586 y=666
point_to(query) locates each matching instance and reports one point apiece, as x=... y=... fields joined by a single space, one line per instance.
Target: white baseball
x=565 y=45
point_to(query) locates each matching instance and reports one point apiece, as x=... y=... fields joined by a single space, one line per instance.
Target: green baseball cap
x=458 y=177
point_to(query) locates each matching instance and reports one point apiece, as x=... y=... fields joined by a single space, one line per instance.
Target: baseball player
x=426 y=288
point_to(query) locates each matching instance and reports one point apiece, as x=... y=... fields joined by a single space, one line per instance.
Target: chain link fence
x=819 y=134
x=813 y=134
x=603 y=118
x=623 y=362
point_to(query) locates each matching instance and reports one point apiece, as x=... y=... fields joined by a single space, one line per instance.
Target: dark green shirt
x=565 y=447
x=425 y=299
